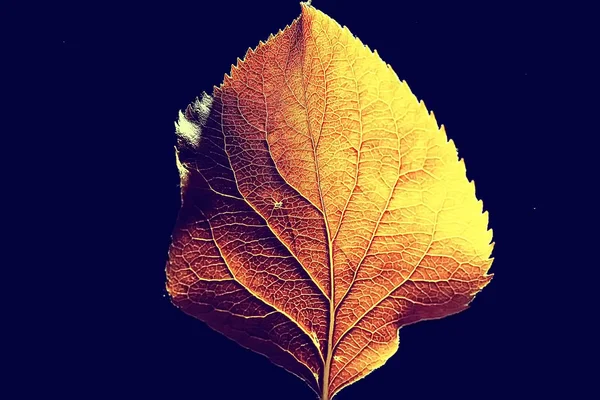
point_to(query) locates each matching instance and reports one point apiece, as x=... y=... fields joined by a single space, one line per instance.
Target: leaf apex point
x=307 y=3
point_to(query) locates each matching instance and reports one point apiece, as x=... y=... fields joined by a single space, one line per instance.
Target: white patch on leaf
x=189 y=125
x=183 y=171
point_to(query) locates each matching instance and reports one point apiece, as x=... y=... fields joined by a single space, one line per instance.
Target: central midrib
x=329 y=354
x=327 y=367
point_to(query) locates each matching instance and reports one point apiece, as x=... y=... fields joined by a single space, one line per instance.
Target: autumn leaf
x=322 y=208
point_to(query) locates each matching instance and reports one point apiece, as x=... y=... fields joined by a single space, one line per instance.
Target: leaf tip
x=307 y=3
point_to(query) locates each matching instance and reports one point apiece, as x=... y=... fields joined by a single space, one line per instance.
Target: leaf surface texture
x=322 y=208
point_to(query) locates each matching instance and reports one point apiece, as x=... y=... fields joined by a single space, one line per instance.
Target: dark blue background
x=489 y=71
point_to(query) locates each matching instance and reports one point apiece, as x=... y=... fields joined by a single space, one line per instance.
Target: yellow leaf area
x=322 y=208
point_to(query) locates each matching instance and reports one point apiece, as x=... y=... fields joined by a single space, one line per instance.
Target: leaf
x=322 y=208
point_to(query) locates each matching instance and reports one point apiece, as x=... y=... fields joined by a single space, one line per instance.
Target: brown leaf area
x=322 y=208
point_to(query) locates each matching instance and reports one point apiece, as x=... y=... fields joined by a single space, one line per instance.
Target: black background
x=119 y=74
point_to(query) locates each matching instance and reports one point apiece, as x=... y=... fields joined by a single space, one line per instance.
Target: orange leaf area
x=322 y=208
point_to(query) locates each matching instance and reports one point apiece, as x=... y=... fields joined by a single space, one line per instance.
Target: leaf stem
x=329 y=356
x=325 y=383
